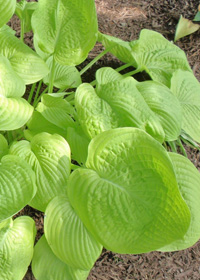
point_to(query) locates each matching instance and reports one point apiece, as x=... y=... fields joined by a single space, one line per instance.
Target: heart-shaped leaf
x=75 y=245
x=49 y=156
x=46 y=266
x=128 y=198
x=67 y=29
x=16 y=248
x=17 y=185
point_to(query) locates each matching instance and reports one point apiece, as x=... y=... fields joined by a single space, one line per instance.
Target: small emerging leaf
x=185 y=27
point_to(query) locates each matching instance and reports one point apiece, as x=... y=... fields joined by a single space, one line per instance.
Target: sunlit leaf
x=128 y=196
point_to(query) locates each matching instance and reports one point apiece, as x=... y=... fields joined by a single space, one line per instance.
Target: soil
x=125 y=19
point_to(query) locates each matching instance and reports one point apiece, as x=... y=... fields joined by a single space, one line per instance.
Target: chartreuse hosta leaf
x=188 y=179
x=16 y=247
x=128 y=196
x=67 y=29
x=158 y=57
x=7 y=9
x=64 y=77
x=17 y=185
x=14 y=110
x=115 y=104
x=24 y=61
x=46 y=266
x=186 y=88
x=75 y=245
x=49 y=156
x=151 y=53
x=165 y=105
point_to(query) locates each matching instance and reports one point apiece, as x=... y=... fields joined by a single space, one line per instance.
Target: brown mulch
x=125 y=19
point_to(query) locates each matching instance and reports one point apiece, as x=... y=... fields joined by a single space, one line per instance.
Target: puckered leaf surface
x=75 y=245
x=188 y=179
x=158 y=57
x=46 y=266
x=151 y=53
x=24 y=61
x=17 y=185
x=186 y=88
x=16 y=248
x=49 y=156
x=128 y=198
x=67 y=29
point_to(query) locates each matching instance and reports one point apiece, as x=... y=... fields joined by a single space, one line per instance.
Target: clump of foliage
x=93 y=159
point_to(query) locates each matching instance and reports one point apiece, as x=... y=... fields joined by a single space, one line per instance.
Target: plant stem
x=52 y=74
x=181 y=147
x=22 y=30
x=93 y=61
x=123 y=67
x=38 y=99
x=37 y=92
x=9 y=137
x=133 y=72
x=31 y=93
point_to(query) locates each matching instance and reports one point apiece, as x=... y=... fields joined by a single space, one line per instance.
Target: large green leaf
x=14 y=110
x=115 y=104
x=186 y=88
x=49 y=156
x=75 y=245
x=158 y=56
x=128 y=198
x=64 y=76
x=67 y=29
x=24 y=61
x=188 y=179
x=165 y=105
x=46 y=266
x=17 y=185
x=7 y=9
x=151 y=53
x=16 y=248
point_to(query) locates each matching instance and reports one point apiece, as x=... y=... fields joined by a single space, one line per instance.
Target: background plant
x=92 y=158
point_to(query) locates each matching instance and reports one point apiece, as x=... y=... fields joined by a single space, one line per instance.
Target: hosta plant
x=92 y=157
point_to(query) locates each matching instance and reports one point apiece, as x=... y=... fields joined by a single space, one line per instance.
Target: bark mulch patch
x=125 y=19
